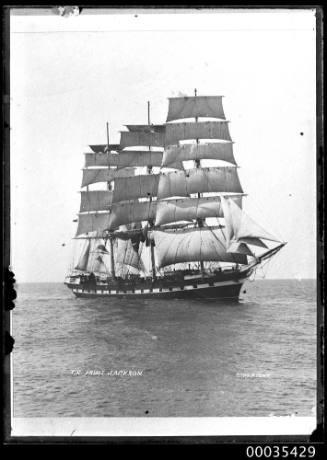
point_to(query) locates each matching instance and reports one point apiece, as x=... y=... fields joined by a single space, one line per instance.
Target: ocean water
x=103 y=358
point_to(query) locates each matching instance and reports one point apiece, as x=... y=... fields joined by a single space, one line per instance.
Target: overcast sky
x=71 y=75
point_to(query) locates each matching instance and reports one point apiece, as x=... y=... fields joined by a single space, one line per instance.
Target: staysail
x=127 y=253
x=83 y=261
x=241 y=227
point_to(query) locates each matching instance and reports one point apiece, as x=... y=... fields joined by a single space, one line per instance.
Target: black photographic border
x=233 y=445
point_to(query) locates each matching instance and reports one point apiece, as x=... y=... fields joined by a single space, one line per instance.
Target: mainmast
x=197 y=164
x=111 y=237
x=153 y=262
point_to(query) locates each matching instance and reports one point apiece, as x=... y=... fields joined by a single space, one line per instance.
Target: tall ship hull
x=225 y=286
x=161 y=212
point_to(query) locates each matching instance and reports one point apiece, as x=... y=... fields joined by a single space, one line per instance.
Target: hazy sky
x=71 y=75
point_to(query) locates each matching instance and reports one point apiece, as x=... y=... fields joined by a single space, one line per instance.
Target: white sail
x=99 y=265
x=84 y=258
x=94 y=175
x=202 y=180
x=195 y=106
x=129 y=212
x=141 y=138
x=253 y=241
x=191 y=245
x=104 y=147
x=176 y=132
x=99 y=257
x=92 y=221
x=142 y=186
x=128 y=158
x=240 y=248
x=210 y=151
x=97 y=200
x=101 y=159
x=126 y=255
x=190 y=208
x=240 y=226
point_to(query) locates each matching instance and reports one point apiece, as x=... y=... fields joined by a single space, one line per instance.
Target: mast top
x=195 y=92
x=108 y=136
x=149 y=122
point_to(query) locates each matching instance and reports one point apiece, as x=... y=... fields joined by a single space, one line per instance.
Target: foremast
x=111 y=237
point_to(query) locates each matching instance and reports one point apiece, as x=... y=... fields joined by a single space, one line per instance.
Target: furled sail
x=141 y=138
x=202 y=180
x=132 y=211
x=189 y=209
x=211 y=151
x=201 y=130
x=92 y=176
x=101 y=159
x=131 y=188
x=191 y=245
x=240 y=226
x=95 y=200
x=195 y=106
x=92 y=221
x=83 y=261
x=104 y=147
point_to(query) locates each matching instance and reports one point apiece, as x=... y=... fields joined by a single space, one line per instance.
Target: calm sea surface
x=165 y=358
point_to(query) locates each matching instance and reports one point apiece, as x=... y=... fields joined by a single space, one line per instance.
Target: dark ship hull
x=217 y=286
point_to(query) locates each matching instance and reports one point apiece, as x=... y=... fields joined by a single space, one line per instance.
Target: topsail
x=204 y=180
x=210 y=151
x=176 y=132
x=195 y=106
x=141 y=138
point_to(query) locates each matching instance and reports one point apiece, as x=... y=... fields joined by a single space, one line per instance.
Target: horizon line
x=265 y=279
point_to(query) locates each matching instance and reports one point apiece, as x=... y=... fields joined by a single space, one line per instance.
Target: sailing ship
x=161 y=213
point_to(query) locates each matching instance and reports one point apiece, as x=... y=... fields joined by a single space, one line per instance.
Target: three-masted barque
x=161 y=212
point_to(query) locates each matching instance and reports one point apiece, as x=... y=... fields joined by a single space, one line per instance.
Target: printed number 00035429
x=280 y=451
